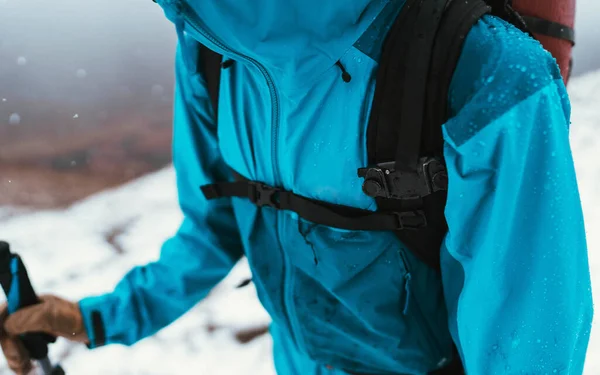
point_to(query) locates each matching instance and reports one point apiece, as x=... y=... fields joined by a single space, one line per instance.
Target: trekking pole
x=19 y=293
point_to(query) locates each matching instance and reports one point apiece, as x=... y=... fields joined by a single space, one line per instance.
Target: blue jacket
x=514 y=292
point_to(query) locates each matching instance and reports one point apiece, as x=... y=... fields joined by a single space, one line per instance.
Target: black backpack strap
x=410 y=106
x=342 y=217
x=504 y=9
x=550 y=28
x=458 y=21
x=210 y=64
x=399 y=97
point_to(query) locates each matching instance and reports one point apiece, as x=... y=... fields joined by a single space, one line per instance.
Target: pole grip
x=19 y=293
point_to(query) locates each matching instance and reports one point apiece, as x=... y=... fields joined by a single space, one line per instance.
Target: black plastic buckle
x=436 y=175
x=411 y=220
x=384 y=181
x=263 y=195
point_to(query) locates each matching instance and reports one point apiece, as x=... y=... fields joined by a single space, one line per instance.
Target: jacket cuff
x=91 y=311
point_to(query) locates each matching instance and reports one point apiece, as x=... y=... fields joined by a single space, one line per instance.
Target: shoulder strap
x=550 y=28
x=210 y=64
x=411 y=104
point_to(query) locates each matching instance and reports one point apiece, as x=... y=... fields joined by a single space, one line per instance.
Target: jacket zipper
x=288 y=292
x=429 y=335
x=198 y=26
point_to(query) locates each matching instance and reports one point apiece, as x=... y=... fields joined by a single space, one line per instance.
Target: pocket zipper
x=429 y=336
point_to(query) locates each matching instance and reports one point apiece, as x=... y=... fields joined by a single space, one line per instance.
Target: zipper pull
x=346 y=77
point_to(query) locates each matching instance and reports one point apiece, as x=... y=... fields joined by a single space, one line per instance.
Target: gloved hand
x=53 y=315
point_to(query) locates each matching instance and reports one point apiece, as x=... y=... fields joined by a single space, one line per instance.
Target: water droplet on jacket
x=516 y=343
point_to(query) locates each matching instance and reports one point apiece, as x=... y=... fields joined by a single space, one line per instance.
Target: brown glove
x=52 y=315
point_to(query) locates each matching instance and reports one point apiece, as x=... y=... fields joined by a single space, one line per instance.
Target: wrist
x=93 y=322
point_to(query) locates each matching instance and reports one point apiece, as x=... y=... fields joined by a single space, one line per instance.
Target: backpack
x=406 y=174
x=552 y=22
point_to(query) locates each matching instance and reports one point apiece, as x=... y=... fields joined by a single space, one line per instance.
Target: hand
x=53 y=315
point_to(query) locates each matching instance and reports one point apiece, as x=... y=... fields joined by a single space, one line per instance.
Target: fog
x=85 y=97
x=97 y=51
x=586 y=54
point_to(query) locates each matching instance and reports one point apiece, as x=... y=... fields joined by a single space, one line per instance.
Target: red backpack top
x=552 y=22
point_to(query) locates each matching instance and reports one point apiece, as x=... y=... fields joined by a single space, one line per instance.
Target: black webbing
x=210 y=64
x=385 y=110
x=550 y=28
x=416 y=63
x=318 y=212
x=414 y=99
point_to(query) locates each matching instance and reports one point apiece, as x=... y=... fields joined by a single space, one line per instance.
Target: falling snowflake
x=21 y=60
x=14 y=119
x=157 y=90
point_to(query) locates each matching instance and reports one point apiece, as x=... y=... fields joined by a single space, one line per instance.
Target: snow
x=87 y=248
x=67 y=253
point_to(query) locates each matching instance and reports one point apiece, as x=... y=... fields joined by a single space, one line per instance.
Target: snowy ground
x=87 y=248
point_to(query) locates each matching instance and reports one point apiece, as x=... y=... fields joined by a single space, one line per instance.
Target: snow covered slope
x=585 y=142
x=87 y=248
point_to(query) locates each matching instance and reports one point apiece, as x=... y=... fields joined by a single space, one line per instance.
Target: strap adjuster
x=384 y=181
x=411 y=219
x=263 y=195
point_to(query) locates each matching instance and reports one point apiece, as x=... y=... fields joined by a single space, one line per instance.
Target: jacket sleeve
x=202 y=252
x=514 y=262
